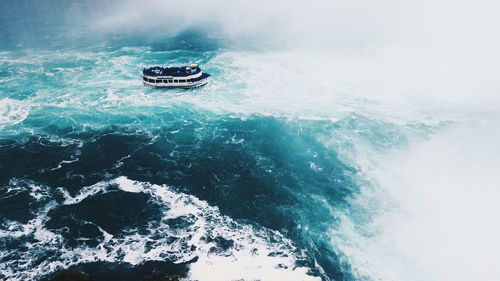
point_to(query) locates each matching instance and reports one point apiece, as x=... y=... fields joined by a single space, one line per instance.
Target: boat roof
x=176 y=71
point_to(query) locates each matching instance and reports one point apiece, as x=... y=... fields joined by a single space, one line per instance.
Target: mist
x=444 y=50
x=438 y=220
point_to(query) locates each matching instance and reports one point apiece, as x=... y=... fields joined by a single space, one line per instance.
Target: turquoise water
x=266 y=170
x=79 y=128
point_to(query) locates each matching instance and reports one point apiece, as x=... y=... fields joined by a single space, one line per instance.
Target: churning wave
x=147 y=222
x=237 y=175
x=265 y=173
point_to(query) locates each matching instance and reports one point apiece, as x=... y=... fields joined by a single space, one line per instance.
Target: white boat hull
x=178 y=85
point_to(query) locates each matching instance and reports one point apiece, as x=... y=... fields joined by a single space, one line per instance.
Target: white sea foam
x=85 y=192
x=251 y=256
x=128 y=185
x=13 y=111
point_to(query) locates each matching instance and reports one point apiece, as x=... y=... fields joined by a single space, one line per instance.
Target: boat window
x=176 y=81
x=182 y=81
x=151 y=80
x=145 y=79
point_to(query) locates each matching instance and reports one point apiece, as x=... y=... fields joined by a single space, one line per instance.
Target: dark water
x=257 y=171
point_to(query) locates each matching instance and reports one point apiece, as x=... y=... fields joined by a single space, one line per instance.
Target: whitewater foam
x=12 y=112
x=252 y=255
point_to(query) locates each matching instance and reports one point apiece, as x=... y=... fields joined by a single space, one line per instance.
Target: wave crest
x=187 y=230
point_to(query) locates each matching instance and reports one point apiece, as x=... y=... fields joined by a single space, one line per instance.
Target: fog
x=358 y=23
x=439 y=220
x=444 y=50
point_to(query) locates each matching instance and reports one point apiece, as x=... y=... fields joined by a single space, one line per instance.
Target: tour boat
x=184 y=77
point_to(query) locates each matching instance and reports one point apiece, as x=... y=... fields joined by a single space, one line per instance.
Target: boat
x=183 y=77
